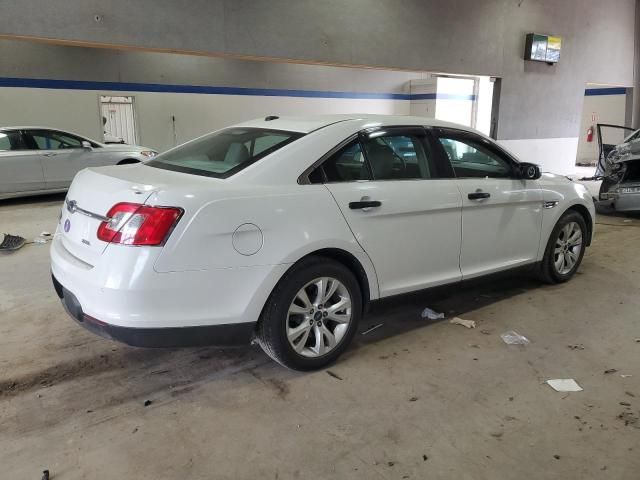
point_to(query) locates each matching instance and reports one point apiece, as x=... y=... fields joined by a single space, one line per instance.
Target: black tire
x=548 y=271
x=271 y=330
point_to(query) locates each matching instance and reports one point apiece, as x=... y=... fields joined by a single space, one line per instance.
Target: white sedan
x=284 y=229
x=37 y=160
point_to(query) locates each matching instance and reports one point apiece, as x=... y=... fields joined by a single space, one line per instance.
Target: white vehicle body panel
x=502 y=231
x=417 y=217
x=238 y=236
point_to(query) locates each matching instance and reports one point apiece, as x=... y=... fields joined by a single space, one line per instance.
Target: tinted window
x=471 y=159
x=10 y=141
x=397 y=157
x=224 y=153
x=347 y=165
x=50 y=140
x=262 y=143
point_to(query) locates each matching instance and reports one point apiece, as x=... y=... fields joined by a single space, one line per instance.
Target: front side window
x=11 y=141
x=50 y=140
x=397 y=157
x=470 y=159
x=223 y=153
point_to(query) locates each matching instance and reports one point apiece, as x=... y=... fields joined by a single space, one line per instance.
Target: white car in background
x=37 y=160
x=284 y=229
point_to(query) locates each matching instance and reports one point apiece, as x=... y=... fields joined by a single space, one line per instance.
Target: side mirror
x=86 y=145
x=529 y=171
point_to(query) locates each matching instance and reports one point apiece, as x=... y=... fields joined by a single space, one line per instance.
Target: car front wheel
x=312 y=314
x=565 y=248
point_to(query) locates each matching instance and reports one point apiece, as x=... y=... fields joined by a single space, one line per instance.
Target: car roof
x=308 y=124
x=32 y=127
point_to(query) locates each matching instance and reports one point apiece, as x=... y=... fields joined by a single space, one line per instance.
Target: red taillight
x=136 y=224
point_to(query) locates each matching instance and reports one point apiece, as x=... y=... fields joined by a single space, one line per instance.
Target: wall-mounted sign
x=542 y=48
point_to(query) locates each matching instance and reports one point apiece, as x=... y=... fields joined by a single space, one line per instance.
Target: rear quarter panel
x=293 y=221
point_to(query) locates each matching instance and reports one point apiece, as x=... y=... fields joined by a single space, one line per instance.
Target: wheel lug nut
x=324 y=314
x=311 y=322
x=320 y=306
x=311 y=311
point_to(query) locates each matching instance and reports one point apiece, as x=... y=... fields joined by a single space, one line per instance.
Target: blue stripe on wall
x=441 y=96
x=266 y=92
x=157 y=87
x=594 y=92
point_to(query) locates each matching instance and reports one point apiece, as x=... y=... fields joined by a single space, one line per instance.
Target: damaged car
x=619 y=169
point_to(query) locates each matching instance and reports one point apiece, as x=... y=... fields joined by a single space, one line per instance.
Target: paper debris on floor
x=564 y=385
x=432 y=314
x=514 y=338
x=375 y=327
x=464 y=323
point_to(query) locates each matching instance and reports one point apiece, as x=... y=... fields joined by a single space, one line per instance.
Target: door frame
x=136 y=122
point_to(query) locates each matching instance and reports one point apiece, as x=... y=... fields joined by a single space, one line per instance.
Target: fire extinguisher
x=590 y=134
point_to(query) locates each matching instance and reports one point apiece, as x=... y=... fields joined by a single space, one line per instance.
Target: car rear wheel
x=565 y=248
x=312 y=314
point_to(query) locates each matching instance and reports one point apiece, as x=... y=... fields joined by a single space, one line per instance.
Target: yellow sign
x=554 y=43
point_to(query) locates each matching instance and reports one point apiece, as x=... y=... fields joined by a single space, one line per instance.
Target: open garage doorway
x=464 y=99
x=611 y=107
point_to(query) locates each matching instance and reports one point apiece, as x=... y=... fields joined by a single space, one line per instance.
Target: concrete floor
x=414 y=399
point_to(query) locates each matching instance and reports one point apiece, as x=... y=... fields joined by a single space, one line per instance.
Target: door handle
x=478 y=195
x=364 y=204
x=50 y=154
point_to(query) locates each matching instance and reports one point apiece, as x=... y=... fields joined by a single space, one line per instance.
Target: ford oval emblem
x=67 y=225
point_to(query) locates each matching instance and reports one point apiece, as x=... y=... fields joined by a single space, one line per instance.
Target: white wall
x=196 y=114
x=556 y=155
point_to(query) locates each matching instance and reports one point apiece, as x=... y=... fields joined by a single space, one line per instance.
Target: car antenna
x=271 y=117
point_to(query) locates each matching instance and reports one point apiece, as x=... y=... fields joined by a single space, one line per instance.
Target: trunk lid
x=92 y=194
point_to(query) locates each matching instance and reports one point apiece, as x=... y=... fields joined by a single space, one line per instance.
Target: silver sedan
x=36 y=160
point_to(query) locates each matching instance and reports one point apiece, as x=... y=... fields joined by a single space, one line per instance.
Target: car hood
x=625 y=152
x=554 y=179
x=125 y=148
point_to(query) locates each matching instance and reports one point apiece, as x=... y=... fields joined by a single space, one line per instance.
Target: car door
x=407 y=218
x=20 y=165
x=501 y=212
x=62 y=156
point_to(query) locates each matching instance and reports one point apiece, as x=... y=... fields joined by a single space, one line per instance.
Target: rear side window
x=347 y=165
x=221 y=154
x=390 y=154
x=397 y=157
x=11 y=141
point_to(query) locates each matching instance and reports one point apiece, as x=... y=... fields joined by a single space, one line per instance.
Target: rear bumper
x=627 y=202
x=122 y=289
x=222 y=335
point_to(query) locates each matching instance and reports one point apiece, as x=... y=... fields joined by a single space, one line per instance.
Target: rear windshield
x=223 y=153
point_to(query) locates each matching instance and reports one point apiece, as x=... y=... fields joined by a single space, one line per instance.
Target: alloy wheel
x=567 y=248
x=318 y=317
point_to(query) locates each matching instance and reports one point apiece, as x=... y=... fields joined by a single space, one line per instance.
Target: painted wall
x=482 y=37
x=76 y=108
x=195 y=114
